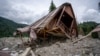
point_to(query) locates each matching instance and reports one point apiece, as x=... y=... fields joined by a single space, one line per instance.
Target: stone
x=20 y=51
x=91 y=54
x=5 y=49
x=69 y=55
x=14 y=54
x=97 y=54
x=77 y=55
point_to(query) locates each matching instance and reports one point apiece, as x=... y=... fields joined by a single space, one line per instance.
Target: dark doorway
x=66 y=19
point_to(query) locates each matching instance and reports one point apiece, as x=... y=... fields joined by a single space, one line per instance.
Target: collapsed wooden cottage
x=60 y=22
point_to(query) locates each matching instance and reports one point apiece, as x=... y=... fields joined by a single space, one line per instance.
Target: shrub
x=95 y=35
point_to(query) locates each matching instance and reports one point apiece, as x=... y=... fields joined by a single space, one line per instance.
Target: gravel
x=85 y=47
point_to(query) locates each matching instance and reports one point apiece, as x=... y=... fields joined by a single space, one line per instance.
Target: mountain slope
x=7 y=27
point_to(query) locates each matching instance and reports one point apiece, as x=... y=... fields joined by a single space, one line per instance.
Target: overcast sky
x=28 y=11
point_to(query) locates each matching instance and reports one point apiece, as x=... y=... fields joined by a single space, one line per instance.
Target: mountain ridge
x=7 y=27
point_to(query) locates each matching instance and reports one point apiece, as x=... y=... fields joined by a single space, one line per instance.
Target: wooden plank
x=57 y=34
x=52 y=29
x=32 y=53
x=61 y=15
x=65 y=32
x=26 y=52
x=82 y=38
x=69 y=11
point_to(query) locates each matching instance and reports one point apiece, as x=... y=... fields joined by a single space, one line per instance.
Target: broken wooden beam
x=82 y=38
x=27 y=51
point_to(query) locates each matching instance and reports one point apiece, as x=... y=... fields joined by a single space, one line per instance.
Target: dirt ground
x=58 y=47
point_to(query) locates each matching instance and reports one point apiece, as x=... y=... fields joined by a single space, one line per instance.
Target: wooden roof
x=44 y=20
x=62 y=20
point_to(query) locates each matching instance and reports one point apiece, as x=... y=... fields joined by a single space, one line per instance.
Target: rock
x=37 y=45
x=91 y=54
x=97 y=54
x=58 y=44
x=77 y=55
x=20 y=51
x=52 y=52
x=36 y=50
x=69 y=55
x=41 y=51
x=2 y=53
x=5 y=49
x=59 y=55
x=14 y=53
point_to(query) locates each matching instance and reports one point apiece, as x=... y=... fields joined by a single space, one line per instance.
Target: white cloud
x=91 y=15
x=79 y=12
x=29 y=11
x=26 y=12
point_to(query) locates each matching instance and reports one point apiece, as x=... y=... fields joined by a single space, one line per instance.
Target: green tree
x=88 y=26
x=99 y=6
x=52 y=6
x=7 y=27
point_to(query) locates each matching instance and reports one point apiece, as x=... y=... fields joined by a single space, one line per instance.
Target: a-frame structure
x=60 y=22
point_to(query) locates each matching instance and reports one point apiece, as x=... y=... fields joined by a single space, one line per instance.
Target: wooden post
x=82 y=37
x=27 y=51
x=32 y=53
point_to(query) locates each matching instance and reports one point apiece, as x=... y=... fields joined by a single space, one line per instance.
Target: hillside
x=7 y=27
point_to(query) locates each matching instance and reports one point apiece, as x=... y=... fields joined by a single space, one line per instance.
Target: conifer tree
x=99 y=6
x=52 y=6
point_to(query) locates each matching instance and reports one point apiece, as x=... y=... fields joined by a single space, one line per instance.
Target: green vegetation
x=52 y=6
x=87 y=26
x=99 y=6
x=95 y=35
x=7 y=27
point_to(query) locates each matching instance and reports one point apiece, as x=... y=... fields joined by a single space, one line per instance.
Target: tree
x=99 y=6
x=88 y=26
x=52 y=6
x=80 y=31
x=7 y=27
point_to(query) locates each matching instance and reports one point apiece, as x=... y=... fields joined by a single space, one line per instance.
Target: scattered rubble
x=85 y=47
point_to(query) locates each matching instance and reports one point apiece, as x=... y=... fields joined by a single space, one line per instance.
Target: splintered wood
x=27 y=51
